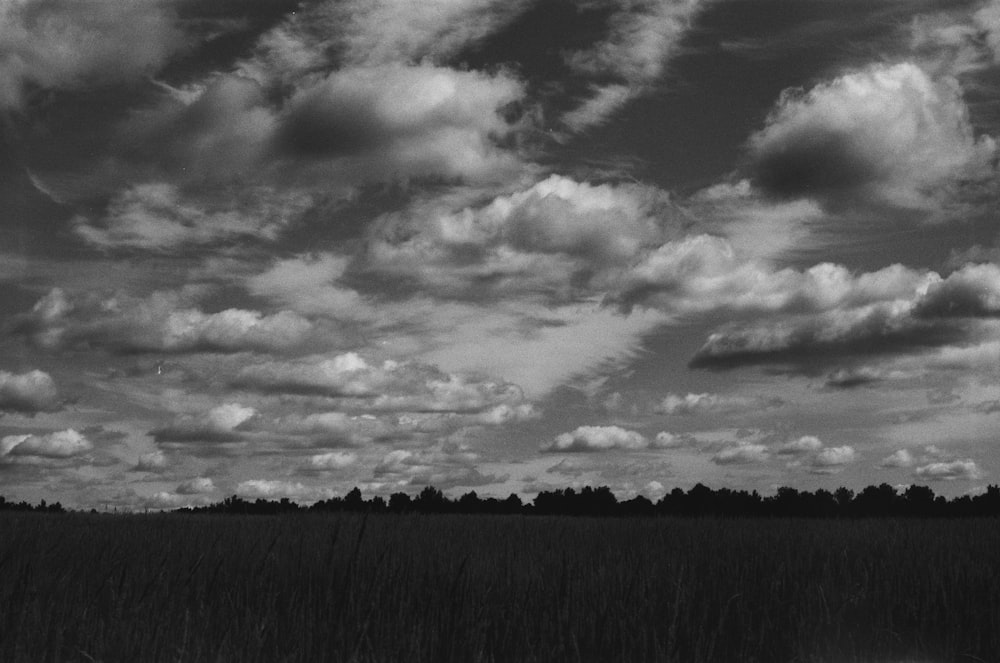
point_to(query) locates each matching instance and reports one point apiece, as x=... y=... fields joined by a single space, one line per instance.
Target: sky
x=281 y=249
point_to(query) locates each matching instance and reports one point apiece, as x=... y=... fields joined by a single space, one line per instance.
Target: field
x=458 y=588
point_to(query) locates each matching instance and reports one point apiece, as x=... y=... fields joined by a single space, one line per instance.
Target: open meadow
x=438 y=588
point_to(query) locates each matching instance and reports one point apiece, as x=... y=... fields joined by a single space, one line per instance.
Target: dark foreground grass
x=473 y=588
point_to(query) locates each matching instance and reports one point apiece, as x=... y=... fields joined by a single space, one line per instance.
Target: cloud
x=803 y=445
x=961 y=42
x=274 y=488
x=630 y=59
x=373 y=32
x=334 y=460
x=390 y=386
x=848 y=378
x=218 y=131
x=29 y=392
x=167 y=500
x=445 y=466
x=154 y=461
x=970 y=292
x=741 y=453
x=308 y=284
x=325 y=429
x=596 y=438
x=161 y=322
x=703 y=273
x=62 y=44
x=57 y=445
x=832 y=459
x=674 y=404
x=898 y=458
x=157 y=217
x=409 y=120
x=220 y=424
x=665 y=440
x=196 y=486
x=558 y=238
x=948 y=471
x=935 y=312
x=888 y=134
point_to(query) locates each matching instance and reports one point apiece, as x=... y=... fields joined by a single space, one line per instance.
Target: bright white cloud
x=803 y=445
x=444 y=466
x=274 y=488
x=889 y=134
x=162 y=322
x=962 y=469
x=833 y=459
x=334 y=460
x=898 y=458
x=389 y=386
x=30 y=392
x=597 y=438
x=675 y=404
x=57 y=445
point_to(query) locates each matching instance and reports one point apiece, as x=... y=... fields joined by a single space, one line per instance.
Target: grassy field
x=471 y=588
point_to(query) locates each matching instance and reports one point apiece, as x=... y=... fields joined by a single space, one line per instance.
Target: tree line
x=873 y=501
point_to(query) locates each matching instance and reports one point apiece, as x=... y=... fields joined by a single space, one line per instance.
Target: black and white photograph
x=500 y=331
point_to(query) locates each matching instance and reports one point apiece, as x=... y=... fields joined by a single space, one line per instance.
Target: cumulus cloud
x=675 y=404
x=444 y=466
x=833 y=459
x=196 y=486
x=162 y=322
x=66 y=44
x=57 y=445
x=923 y=310
x=274 y=488
x=389 y=386
x=701 y=273
x=630 y=59
x=557 y=237
x=412 y=120
x=803 y=445
x=970 y=292
x=167 y=500
x=596 y=438
x=309 y=284
x=333 y=460
x=154 y=461
x=888 y=134
x=898 y=458
x=30 y=392
x=741 y=453
x=220 y=424
x=960 y=469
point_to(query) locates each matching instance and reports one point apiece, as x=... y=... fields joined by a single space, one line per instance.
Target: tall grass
x=472 y=588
